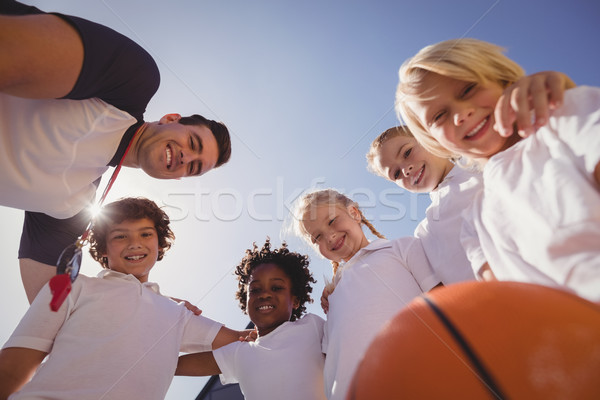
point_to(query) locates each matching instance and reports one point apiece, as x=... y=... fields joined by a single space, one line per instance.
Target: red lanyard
x=69 y=262
x=112 y=180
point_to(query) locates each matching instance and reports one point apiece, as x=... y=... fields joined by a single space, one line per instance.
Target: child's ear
x=295 y=302
x=354 y=213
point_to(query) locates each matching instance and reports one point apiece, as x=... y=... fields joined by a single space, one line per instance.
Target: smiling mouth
x=339 y=243
x=477 y=129
x=419 y=177
x=169 y=156
x=135 y=258
x=266 y=307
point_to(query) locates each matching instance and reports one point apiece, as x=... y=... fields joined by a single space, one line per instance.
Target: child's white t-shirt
x=113 y=338
x=538 y=218
x=285 y=364
x=440 y=230
x=374 y=285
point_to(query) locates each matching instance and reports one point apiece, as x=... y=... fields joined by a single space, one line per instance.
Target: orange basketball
x=486 y=340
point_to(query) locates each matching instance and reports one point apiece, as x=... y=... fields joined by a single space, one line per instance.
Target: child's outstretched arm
x=538 y=93
x=17 y=365
x=197 y=364
x=226 y=336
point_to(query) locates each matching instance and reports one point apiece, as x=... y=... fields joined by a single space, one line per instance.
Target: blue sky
x=304 y=88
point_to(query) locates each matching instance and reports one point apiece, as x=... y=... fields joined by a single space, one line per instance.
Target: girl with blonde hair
x=537 y=218
x=372 y=280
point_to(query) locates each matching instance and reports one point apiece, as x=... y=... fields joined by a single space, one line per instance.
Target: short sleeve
x=199 y=333
x=44 y=238
x=226 y=358
x=577 y=123
x=419 y=266
x=115 y=69
x=39 y=326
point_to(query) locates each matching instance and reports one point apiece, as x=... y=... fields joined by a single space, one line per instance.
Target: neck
x=364 y=243
x=131 y=158
x=447 y=169
x=510 y=141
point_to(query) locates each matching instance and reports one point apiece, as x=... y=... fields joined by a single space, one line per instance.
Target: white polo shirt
x=440 y=231
x=374 y=285
x=113 y=338
x=285 y=364
x=538 y=218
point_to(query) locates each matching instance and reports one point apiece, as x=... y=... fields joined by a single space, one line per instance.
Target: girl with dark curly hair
x=274 y=286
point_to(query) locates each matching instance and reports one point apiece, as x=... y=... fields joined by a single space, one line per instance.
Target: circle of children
x=514 y=197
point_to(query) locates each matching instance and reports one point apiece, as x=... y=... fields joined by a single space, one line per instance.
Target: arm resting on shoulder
x=17 y=365
x=226 y=336
x=197 y=364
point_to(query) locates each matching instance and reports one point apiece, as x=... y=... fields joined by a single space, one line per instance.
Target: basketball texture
x=486 y=340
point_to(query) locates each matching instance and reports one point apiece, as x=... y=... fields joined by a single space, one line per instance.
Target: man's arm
x=34 y=276
x=17 y=365
x=41 y=56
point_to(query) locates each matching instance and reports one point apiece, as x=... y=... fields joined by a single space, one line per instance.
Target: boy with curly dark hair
x=274 y=286
x=116 y=336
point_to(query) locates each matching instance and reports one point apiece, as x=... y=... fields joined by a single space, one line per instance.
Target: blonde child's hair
x=378 y=143
x=309 y=201
x=468 y=60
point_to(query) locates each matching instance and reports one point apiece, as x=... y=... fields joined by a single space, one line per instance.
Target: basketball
x=486 y=340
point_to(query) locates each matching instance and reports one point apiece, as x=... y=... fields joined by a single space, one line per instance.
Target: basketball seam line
x=433 y=332
x=469 y=352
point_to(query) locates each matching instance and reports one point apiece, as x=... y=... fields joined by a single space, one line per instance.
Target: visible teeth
x=168 y=157
x=477 y=128
x=419 y=176
x=265 y=307
x=135 y=258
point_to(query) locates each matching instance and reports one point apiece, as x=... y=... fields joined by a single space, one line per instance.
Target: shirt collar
x=375 y=245
x=114 y=275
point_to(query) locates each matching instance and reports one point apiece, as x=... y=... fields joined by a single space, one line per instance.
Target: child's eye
x=315 y=239
x=147 y=234
x=253 y=290
x=407 y=153
x=276 y=288
x=437 y=118
x=467 y=89
x=191 y=143
x=332 y=220
x=397 y=174
x=117 y=237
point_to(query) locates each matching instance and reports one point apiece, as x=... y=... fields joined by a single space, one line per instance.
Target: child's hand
x=327 y=290
x=248 y=335
x=530 y=98
x=188 y=305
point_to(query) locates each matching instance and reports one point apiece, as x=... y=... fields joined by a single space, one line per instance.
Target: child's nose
x=461 y=115
x=134 y=243
x=406 y=170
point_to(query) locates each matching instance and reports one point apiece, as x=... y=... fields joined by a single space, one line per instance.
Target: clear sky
x=304 y=88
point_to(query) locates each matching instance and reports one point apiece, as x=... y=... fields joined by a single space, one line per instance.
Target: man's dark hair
x=219 y=131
